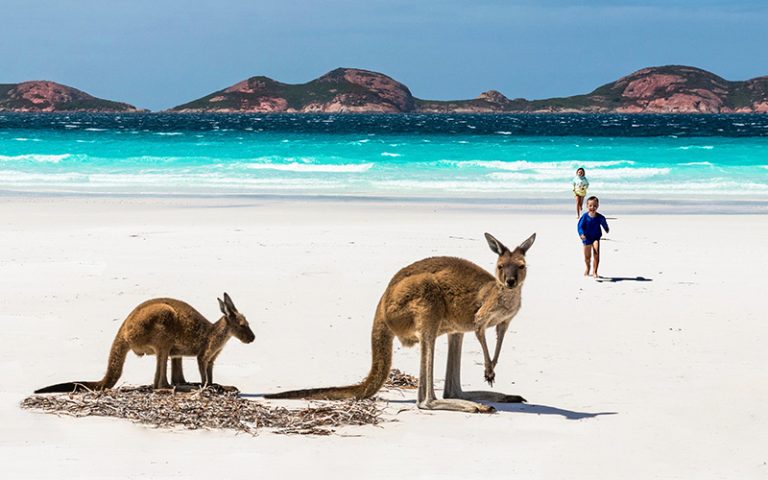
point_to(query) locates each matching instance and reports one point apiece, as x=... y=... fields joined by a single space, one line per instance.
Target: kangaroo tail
x=381 y=352
x=70 y=387
x=117 y=356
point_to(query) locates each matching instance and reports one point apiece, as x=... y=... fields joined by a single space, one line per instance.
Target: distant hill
x=45 y=96
x=341 y=90
x=667 y=89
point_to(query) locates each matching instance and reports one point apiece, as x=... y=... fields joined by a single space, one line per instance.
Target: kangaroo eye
x=500 y=267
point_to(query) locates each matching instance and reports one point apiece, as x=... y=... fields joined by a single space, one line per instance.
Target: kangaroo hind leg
x=177 y=372
x=453 y=378
x=427 y=399
x=161 y=372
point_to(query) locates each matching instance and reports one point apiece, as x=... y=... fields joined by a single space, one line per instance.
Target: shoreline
x=549 y=204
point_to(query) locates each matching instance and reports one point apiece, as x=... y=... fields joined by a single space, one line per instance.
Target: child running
x=590 y=233
x=580 y=186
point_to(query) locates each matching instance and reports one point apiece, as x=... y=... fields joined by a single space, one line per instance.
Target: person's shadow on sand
x=623 y=279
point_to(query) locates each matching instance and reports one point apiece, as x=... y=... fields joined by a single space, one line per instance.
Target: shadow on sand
x=529 y=408
x=623 y=279
x=546 y=410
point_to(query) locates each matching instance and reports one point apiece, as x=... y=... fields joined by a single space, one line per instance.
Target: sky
x=157 y=54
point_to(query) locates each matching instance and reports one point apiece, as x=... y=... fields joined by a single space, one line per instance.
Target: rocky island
x=45 y=96
x=667 y=89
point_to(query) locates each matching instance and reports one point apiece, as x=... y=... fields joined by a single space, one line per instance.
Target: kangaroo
x=432 y=297
x=168 y=328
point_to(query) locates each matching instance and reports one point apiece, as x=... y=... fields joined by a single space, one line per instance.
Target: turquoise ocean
x=500 y=157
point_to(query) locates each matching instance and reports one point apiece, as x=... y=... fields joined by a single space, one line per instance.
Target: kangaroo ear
x=222 y=307
x=527 y=244
x=229 y=304
x=497 y=247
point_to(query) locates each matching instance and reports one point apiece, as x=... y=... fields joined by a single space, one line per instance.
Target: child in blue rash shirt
x=590 y=233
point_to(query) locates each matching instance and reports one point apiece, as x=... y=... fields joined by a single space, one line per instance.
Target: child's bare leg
x=587 y=258
x=579 y=204
x=595 y=247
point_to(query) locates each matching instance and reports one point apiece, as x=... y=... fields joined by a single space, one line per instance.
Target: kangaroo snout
x=511 y=282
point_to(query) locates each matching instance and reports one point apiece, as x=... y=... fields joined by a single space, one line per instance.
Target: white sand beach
x=658 y=374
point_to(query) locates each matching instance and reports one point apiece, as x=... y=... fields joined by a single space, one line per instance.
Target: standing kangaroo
x=432 y=297
x=168 y=328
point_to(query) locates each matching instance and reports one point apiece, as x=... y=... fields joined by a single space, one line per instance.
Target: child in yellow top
x=580 y=185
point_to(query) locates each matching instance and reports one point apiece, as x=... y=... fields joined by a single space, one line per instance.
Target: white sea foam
x=615 y=173
x=312 y=168
x=721 y=187
x=156 y=182
x=624 y=173
x=694 y=164
x=92 y=129
x=15 y=178
x=502 y=132
x=202 y=180
x=465 y=186
x=505 y=176
x=445 y=185
x=390 y=154
x=32 y=157
x=495 y=183
x=696 y=147
x=553 y=180
x=499 y=185
x=517 y=165
x=169 y=134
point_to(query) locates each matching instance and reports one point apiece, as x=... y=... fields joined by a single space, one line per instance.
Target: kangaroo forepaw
x=490 y=375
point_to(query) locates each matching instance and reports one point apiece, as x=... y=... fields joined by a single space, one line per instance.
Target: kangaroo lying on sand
x=168 y=328
x=432 y=297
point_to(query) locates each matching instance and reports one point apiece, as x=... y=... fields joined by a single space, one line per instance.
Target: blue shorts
x=589 y=241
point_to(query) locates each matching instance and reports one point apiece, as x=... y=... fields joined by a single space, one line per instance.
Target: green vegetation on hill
x=671 y=88
x=318 y=91
x=666 y=88
x=43 y=95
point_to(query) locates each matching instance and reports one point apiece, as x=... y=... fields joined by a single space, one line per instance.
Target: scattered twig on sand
x=208 y=408
x=398 y=379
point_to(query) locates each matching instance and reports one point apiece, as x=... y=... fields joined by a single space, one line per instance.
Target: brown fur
x=168 y=328
x=433 y=297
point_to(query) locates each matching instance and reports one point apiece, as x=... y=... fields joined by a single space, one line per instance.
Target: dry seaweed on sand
x=208 y=408
x=398 y=379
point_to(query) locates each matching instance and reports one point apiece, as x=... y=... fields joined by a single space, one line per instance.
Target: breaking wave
x=312 y=168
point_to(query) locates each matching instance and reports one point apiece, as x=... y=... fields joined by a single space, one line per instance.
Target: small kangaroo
x=432 y=297
x=168 y=328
